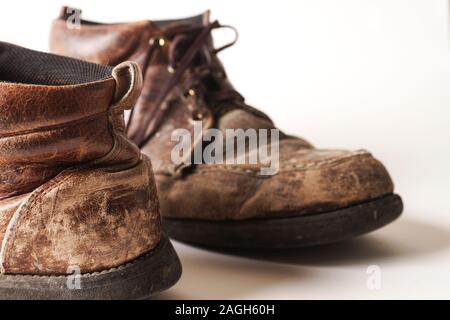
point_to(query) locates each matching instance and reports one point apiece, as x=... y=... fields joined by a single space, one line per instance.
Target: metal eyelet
x=157 y=40
x=197 y=116
x=170 y=69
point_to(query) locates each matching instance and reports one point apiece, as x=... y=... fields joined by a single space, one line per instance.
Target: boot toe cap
x=315 y=181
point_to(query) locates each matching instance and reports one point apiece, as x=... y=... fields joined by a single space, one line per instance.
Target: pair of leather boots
x=80 y=201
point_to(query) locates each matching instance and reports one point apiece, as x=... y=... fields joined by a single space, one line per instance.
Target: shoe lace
x=195 y=83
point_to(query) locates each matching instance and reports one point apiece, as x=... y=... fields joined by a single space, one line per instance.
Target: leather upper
x=309 y=180
x=46 y=129
x=69 y=176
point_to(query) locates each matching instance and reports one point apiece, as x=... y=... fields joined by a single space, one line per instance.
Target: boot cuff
x=41 y=91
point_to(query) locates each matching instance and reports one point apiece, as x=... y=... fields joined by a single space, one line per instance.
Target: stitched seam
x=286 y=169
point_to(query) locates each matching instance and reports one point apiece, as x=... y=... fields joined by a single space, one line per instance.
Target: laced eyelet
x=170 y=69
x=157 y=40
x=197 y=116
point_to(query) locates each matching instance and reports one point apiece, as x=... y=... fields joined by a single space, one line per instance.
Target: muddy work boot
x=79 y=214
x=304 y=196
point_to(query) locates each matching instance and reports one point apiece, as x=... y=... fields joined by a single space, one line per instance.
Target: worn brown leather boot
x=316 y=197
x=79 y=214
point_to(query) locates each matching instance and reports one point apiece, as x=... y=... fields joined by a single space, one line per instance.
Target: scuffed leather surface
x=30 y=107
x=74 y=190
x=91 y=218
x=7 y=209
x=45 y=129
x=309 y=180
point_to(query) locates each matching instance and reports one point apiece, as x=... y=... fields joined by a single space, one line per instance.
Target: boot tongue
x=206 y=17
x=233 y=116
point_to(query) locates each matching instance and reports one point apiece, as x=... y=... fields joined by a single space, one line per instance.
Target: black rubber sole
x=302 y=231
x=140 y=279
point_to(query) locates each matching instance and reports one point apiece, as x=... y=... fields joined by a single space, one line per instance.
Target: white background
x=344 y=74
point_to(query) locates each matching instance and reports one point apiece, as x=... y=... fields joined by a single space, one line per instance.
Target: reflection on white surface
x=410 y=254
